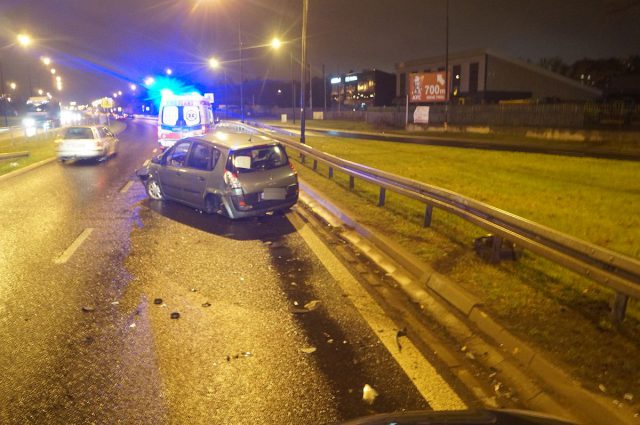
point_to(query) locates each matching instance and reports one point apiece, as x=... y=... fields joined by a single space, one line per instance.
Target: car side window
x=179 y=154
x=202 y=157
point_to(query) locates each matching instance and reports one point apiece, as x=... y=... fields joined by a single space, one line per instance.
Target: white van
x=184 y=116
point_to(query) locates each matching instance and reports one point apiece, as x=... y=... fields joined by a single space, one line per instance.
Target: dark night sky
x=99 y=46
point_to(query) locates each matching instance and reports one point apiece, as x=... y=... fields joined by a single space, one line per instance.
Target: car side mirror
x=158 y=159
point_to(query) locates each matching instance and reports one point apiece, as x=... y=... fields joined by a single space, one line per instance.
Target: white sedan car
x=86 y=142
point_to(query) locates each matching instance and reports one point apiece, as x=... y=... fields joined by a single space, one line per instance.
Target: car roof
x=233 y=140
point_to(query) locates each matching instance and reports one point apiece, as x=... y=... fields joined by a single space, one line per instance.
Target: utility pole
x=3 y=97
x=446 y=68
x=293 y=89
x=303 y=85
x=241 y=76
x=324 y=90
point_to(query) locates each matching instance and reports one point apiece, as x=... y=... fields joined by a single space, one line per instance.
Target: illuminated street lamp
x=214 y=63
x=133 y=87
x=276 y=43
x=24 y=40
x=40 y=92
x=168 y=71
x=13 y=86
x=53 y=71
x=115 y=95
x=46 y=60
x=58 y=78
x=119 y=92
x=149 y=81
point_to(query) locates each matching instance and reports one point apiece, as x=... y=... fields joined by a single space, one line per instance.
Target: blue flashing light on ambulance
x=183 y=116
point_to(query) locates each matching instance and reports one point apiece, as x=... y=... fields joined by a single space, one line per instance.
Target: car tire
x=211 y=204
x=153 y=189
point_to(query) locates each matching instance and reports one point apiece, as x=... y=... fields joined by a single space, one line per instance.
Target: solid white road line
x=422 y=373
x=66 y=255
x=126 y=187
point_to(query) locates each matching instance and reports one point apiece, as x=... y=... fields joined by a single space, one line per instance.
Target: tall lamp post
x=276 y=44
x=241 y=76
x=25 y=41
x=303 y=67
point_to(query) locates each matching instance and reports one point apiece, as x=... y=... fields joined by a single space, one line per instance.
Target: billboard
x=427 y=87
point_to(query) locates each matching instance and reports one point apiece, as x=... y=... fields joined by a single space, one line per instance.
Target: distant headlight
x=29 y=122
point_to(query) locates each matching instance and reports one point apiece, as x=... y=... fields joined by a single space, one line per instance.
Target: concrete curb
x=419 y=281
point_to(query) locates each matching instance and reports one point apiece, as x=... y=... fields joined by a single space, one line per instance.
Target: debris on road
x=602 y=388
x=628 y=397
x=115 y=303
x=133 y=325
x=207 y=304
x=88 y=309
x=312 y=305
x=402 y=332
x=369 y=394
x=194 y=289
x=175 y=315
x=157 y=301
x=308 y=350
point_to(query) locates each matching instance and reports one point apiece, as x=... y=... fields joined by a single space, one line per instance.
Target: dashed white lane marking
x=68 y=253
x=422 y=373
x=126 y=187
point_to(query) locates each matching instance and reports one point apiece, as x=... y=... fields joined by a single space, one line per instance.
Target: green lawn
x=596 y=200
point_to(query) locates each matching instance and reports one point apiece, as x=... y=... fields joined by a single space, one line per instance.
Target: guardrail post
x=382 y=197
x=619 y=307
x=302 y=158
x=496 y=247
x=352 y=182
x=428 y=212
x=330 y=172
x=315 y=164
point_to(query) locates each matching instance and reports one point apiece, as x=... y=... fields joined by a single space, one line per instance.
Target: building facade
x=486 y=76
x=362 y=90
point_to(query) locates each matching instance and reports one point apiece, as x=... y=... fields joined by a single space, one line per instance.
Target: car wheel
x=153 y=189
x=211 y=204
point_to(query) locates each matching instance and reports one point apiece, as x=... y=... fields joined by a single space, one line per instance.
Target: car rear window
x=258 y=158
x=78 y=133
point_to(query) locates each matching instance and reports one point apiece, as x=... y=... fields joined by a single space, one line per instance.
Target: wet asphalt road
x=240 y=352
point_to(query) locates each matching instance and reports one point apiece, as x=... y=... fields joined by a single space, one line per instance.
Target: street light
x=46 y=60
x=133 y=87
x=13 y=86
x=24 y=40
x=303 y=67
x=149 y=81
x=276 y=43
x=53 y=71
x=119 y=92
x=168 y=71
x=40 y=92
x=115 y=95
x=214 y=63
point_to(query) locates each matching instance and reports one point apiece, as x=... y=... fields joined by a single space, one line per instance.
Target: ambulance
x=183 y=116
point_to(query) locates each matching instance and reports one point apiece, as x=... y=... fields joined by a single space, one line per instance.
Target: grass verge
x=563 y=314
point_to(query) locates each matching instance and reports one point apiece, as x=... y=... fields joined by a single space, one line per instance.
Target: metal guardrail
x=611 y=269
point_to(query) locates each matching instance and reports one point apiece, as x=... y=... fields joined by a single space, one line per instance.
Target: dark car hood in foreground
x=463 y=417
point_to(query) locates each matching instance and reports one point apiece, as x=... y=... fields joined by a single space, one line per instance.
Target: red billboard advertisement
x=427 y=87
